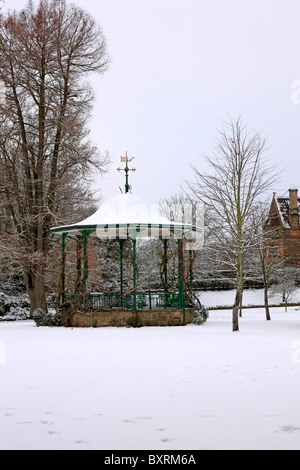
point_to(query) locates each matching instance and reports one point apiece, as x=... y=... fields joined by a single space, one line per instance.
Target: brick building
x=283 y=222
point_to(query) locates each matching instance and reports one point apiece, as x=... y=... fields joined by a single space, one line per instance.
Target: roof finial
x=126 y=169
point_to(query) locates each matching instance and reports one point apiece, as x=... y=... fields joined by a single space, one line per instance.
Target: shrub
x=201 y=315
x=43 y=318
x=133 y=321
x=14 y=308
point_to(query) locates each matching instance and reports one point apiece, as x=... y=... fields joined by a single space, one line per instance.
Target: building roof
x=128 y=215
x=283 y=208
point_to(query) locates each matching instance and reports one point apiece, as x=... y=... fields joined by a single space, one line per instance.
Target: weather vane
x=126 y=169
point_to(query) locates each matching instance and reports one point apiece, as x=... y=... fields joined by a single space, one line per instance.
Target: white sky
x=179 y=68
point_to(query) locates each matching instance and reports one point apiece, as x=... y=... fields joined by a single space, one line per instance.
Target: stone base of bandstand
x=130 y=318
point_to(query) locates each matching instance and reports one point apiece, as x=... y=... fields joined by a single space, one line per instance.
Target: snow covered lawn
x=183 y=388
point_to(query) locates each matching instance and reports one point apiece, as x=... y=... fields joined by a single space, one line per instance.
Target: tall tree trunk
x=241 y=304
x=239 y=294
x=266 y=278
x=268 y=317
x=35 y=285
x=235 y=311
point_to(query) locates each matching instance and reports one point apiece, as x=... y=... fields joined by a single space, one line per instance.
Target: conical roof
x=128 y=215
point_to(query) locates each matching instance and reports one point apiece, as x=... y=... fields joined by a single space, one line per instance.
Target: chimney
x=293 y=209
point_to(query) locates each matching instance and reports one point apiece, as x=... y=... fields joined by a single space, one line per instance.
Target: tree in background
x=264 y=259
x=46 y=53
x=183 y=209
x=239 y=177
x=285 y=282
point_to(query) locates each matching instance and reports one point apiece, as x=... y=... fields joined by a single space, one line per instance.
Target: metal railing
x=137 y=301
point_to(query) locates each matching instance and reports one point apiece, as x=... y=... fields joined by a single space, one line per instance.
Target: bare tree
x=184 y=209
x=264 y=259
x=285 y=282
x=239 y=178
x=46 y=52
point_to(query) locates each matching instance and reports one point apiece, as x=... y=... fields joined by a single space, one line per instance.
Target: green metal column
x=84 y=241
x=121 y=243
x=134 y=273
x=63 y=266
x=191 y=268
x=79 y=254
x=181 y=277
x=166 y=262
x=85 y=266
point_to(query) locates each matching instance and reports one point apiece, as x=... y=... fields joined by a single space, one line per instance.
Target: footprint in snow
x=289 y=428
x=144 y=417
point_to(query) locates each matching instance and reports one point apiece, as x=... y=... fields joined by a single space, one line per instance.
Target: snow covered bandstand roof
x=128 y=215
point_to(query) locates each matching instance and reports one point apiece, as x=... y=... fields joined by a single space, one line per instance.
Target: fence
x=133 y=301
x=139 y=301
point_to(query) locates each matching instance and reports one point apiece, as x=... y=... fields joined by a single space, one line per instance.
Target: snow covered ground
x=250 y=297
x=182 y=388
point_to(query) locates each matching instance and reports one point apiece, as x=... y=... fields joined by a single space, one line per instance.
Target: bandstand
x=125 y=218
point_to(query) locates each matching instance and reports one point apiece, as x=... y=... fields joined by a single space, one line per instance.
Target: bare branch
x=239 y=178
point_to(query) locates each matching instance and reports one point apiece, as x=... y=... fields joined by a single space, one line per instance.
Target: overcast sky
x=179 y=68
